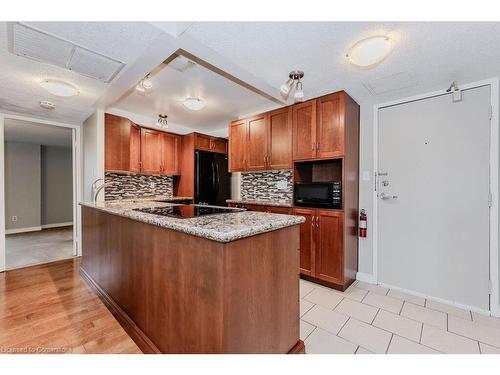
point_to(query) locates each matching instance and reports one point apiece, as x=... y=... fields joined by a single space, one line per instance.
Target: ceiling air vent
x=37 y=45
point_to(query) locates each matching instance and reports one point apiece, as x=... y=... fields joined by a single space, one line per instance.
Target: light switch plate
x=366 y=175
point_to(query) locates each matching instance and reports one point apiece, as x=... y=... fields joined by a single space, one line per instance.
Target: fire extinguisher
x=362 y=223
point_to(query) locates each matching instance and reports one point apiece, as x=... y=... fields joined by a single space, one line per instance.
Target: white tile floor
x=368 y=319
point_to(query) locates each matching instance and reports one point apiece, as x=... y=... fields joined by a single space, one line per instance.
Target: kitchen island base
x=178 y=293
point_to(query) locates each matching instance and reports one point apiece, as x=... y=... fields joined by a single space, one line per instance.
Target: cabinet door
x=257 y=143
x=307 y=241
x=279 y=210
x=304 y=130
x=203 y=142
x=151 y=141
x=280 y=139
x=237 y=146
x=219 y=145
x=256 y=207
x=330 y=129
x=170 y=148
x=135 y=149
x=330 y=246
x=116 y=143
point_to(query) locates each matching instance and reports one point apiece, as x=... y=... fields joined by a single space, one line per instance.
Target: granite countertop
x=225 y=227
x=261 y=202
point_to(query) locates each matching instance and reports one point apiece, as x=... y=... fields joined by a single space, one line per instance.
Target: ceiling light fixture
x=59 y=88
x=369 y=52
x=145 y=86
x=194 y=104
x=294 y=80
x=162 y=121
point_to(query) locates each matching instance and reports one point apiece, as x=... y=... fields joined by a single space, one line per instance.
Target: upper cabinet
x=304 y=130
x=208 y=143
x=318 y=128
x=237 y=146
x=122 y=144
x=151 y=151
x=131 y=148
x=256 y=143
x=261 y=142
x=170 y=154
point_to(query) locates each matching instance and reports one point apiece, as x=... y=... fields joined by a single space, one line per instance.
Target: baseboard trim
x=23 y=230
x=57 y=225
x=139 y=337
x=365 y=277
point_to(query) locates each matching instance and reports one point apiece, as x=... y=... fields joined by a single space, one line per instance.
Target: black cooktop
x=187 y=211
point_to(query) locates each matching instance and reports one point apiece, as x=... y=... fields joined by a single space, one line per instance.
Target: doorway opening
x=39 y=193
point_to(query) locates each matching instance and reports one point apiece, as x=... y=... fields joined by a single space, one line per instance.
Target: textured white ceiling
x=225 y=100
x=19 y=77
x=434 y=53
x=40 y=134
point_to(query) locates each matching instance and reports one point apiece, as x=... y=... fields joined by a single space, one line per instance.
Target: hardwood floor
x=50 y=309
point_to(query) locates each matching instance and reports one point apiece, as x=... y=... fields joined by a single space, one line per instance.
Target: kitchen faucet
x=97 y=189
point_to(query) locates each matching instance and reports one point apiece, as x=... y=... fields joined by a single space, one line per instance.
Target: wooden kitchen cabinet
x=304 y=130
x=257 y=143
x=307 y=241
x=330 y=128
x=266 y=143
x=169 y=154
x=321 y=245
x=121 y=145
x=237 y=146
x=151 y=151
x=212 y=144
x=329 y=259
x=279 y=134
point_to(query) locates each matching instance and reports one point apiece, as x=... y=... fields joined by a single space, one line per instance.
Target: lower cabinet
x=322 y=245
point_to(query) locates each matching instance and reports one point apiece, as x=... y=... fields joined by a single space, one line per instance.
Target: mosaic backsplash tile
x=273 y=186
x=128 y=186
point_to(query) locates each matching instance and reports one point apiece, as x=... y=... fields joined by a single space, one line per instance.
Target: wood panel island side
x=225 y=283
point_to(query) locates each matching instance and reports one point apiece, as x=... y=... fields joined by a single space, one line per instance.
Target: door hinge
x=490 y=287
x=491 y=111
x=490 y=200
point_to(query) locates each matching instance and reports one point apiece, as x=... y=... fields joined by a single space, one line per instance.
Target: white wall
x=93 y=152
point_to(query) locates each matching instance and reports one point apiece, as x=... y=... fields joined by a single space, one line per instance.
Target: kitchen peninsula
x=223 y=283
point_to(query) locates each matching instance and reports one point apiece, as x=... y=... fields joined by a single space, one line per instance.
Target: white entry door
x=433 y=197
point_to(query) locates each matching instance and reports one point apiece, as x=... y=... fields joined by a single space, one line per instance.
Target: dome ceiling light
x=59 y=88
x=369 y=52
x=145 y=86
x=294 y=81
x=194 y=104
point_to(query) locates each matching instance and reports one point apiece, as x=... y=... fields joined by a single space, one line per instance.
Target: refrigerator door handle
x=212 y=164
x=217 y=181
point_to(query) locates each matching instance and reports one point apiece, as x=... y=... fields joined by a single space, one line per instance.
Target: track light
x=162 y=121
x=294 y=78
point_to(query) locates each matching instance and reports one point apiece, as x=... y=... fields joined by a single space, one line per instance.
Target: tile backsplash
x=127 y=186
x=274 y=186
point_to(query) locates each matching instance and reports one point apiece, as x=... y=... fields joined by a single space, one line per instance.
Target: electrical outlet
x=281 y=185
x=152 y=185
x=14 y=218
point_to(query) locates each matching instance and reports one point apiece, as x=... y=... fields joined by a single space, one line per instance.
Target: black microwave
x=318 y=194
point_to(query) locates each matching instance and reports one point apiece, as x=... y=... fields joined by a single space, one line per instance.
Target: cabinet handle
x=317 y=221
x=313 y=147
x=312 y=222
x=317 y=146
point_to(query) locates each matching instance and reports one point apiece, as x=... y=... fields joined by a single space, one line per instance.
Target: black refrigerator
x=212 y=183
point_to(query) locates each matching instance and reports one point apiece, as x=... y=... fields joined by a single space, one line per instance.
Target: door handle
x=386 y=196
